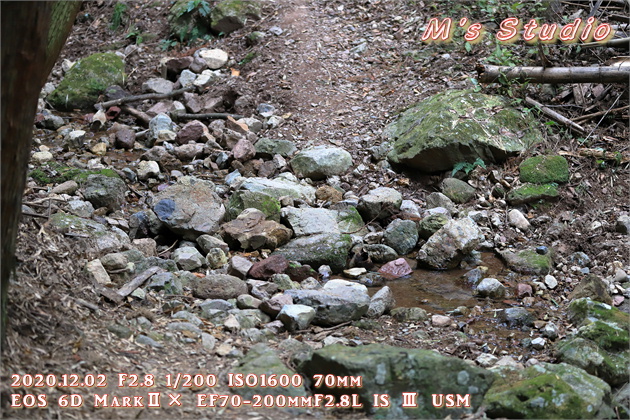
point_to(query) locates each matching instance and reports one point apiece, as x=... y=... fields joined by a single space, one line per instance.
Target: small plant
x=136 y=35
x=467 y=167
x=190 y=20
x=118 y=16
x=167 y=44
x=249 y=57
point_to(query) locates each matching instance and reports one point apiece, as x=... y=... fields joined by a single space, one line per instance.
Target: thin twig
x=136 y=98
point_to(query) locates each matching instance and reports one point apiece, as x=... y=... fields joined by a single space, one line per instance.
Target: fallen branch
x=214 y=116
x=600 y=154
x=555 y=116
x=597 y=114
x=137 y=281
x=136 y=98
x=554 y=75
x=613 y=43
x=141 y=116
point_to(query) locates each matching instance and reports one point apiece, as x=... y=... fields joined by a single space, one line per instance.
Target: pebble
x=538 y=343
x=550 y=281
x=440 y=321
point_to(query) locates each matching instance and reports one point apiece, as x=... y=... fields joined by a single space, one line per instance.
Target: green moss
x=349 y=220
x=584 y=311
x=242 y=200
x=530 y=192
x=86 y=80
x=608 y=336
x=544 y=169
x=56 y=174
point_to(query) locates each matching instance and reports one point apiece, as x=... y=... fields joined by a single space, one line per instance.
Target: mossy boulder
x=585 y=311
x=391 y=370
x=431 y=224
x=612 y=367
x=592 y=287
x=244 y=199
x=229 y=15
x=315 y=250
x=86 y=80
x=545 y=390
x=457 y=190
x=57 y=174
x=529 y=193
x=528 y=261
x=94 y=238
x=544 y=169
x=459 y=126
x=262 y=360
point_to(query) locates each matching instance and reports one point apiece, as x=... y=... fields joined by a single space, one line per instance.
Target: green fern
x=467 y=167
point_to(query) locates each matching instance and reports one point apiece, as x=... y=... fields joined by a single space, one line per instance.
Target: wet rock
x=395 y=269
x=380 y=253
x=188 y=258
x=517 y=317
x=401 y=235
x=266 y=148
x=592 y=287
x=148 y=169
x=518 y=220
x=409 y=314
x=219 y=286
x=190 y=207
x=492 y=288
x=315 y=250
x=437 y=134
x=567 y=392
x=379 y=203
x=529 y=193
x=250 y=230
x=309 y=221
x=337 y=302
x=321 y=161
x=157 y=85
x=383 y=301
x=385 y=368
x=527 y=261
x=296 y=317
x=265 y=269
x=86 y=80
x=447 y=247
x=544 y=169
x=105 y=191
x=457 y=190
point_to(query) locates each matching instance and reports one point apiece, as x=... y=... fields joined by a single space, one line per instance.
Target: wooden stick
x=555 y=116
x=138 y=280
x=602 y=154
x=214 y=116
x=136 y=98
x=615 y=43
x=141 y=116
x=597 y=114
x=28 y=213
x=554 y=75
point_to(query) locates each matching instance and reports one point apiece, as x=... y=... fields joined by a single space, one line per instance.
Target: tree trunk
x=554 y=75
x=33 y=34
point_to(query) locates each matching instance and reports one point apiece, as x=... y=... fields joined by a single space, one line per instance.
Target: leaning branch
x=136 y=98
x=554 y=75
x=213 y=116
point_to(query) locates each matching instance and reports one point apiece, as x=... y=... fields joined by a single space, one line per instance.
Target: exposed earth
x=337 y=72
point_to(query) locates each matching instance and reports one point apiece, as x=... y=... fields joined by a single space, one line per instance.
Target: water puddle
x=441 y=291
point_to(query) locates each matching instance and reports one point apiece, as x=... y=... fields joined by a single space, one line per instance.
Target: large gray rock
x=190 y=207
x=320 y=249
x=379 y=203
x=547 y=390
x=309 y=221
x=381 y=302
x=99 y=239
x=266 y=148
x=296 y=317
x=229 y=15
x=250 y=230
x=87 y=80
x=279 y=187
x=244 y=199
x=401 y=235
x=321 y=161
x=188 y=258
x=459 y=126
x=219 y=286
x=446 y=247
x=337 y=302
x=393 y=370
x=105 y=191
x=457 y=190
